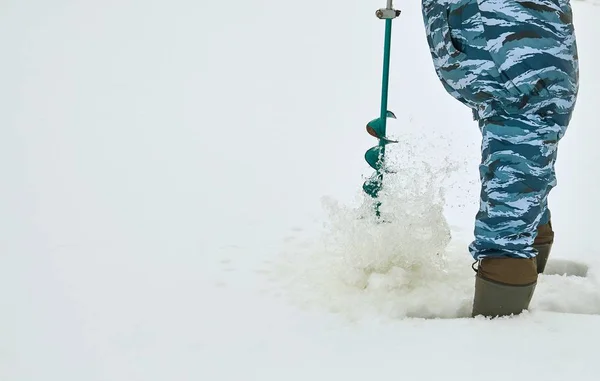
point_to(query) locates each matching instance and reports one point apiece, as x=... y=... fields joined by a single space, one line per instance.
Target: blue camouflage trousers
x=515 y=64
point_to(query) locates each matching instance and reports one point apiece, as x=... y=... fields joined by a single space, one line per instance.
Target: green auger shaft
x=377 y=127
x=386 y=77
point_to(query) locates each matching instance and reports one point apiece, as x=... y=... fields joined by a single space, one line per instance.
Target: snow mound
x=569 y=293
x=406 y=269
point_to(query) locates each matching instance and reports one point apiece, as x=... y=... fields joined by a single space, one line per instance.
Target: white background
x=163 y=169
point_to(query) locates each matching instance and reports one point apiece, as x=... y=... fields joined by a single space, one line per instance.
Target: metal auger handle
x=375 y=156
x=388 y=13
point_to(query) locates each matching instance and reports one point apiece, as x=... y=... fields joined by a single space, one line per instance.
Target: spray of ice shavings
x=397 y=265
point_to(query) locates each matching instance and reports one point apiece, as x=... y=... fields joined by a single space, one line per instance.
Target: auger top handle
x=388 y=13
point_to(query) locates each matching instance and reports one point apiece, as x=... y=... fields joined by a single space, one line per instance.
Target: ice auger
x=377 y=127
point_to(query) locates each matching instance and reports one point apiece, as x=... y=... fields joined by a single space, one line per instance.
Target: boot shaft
x=504 y=286
x=543 y=245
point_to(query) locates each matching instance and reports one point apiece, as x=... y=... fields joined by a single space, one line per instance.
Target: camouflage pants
x=514 y=63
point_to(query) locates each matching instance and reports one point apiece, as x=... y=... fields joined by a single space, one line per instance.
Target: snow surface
x=181 y=200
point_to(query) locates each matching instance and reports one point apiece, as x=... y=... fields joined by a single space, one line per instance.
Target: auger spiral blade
x=377 y=127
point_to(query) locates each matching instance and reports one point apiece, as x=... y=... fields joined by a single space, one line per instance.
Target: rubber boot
x=504 y=286
x=543 y=244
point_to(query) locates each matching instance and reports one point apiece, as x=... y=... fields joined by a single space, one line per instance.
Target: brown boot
x=504 y=286
x=543 y=244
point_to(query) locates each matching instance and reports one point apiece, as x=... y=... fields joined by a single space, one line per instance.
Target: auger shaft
x=377 y=127
x=385 y=80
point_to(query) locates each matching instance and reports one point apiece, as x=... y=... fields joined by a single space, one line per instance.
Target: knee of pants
x=516 y=169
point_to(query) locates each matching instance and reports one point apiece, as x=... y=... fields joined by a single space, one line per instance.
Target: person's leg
x=544 y=238
x=515 y=65
x=517 y=174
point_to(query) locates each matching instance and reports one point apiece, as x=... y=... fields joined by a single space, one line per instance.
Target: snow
x=181 y=199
